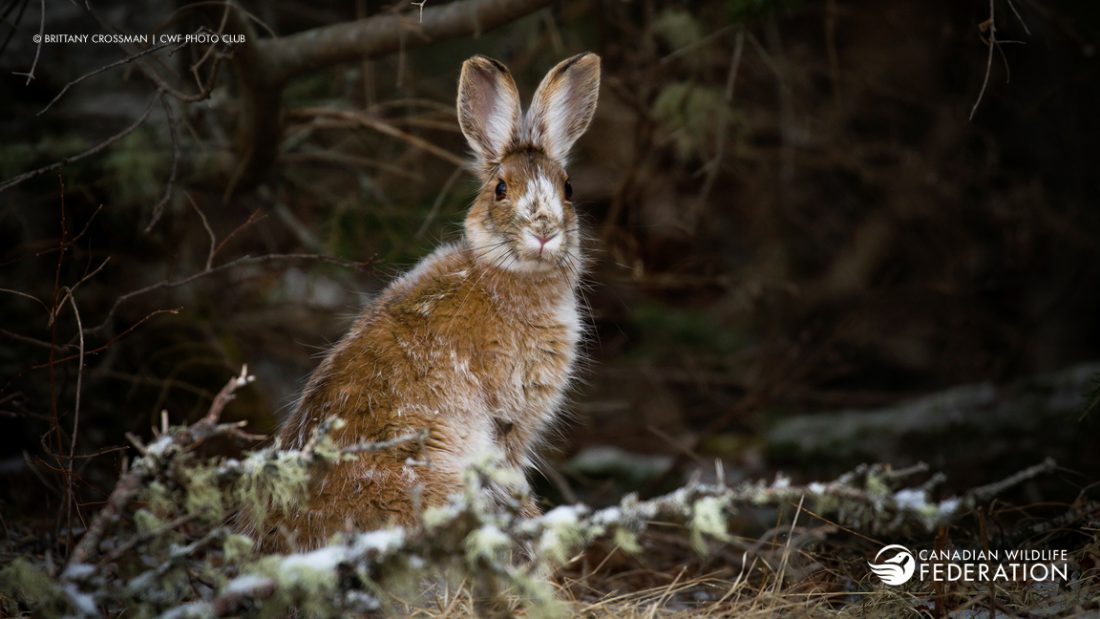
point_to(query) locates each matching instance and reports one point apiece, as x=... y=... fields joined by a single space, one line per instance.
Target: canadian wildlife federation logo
x=894 y=564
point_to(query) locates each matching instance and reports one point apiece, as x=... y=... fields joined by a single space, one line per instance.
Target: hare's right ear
x=488 y=108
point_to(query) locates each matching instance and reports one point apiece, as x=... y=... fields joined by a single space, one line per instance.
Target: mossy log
x=969 y=432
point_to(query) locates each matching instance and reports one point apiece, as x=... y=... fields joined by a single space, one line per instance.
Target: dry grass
x=829 y=580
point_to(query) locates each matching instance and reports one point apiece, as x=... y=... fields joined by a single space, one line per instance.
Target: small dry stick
x=989 y=59
x=132 y=481
x=38 y=47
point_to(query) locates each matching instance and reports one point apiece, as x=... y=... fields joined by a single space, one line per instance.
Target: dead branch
x=308 y=51
x=133 y=480
x=371 y=122
x=265 y=65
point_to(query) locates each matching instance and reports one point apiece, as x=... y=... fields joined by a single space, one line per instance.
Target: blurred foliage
x=690 y=112
x=134 y=168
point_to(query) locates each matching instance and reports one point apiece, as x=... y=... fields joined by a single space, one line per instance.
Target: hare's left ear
x=564 y=104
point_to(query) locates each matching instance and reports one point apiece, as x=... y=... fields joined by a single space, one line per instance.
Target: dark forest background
x=794 y=208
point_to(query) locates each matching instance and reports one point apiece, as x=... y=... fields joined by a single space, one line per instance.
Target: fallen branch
x=266 y=65
x=133 y=480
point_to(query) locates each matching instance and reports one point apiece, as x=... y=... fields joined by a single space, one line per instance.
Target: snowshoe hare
x=476 y=345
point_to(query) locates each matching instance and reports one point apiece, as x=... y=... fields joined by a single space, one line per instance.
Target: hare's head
x=523 y=218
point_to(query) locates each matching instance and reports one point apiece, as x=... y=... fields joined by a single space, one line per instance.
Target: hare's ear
x=488 y=107
x=563 y=104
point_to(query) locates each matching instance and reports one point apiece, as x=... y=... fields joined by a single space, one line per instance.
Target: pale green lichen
x=440 y=516
x=238 y=547
x=204 y=496
x=626 y=540
x=158 y=498
x=562 y=533
x=272 y=479
x=146 y=522
x=307 y=582
x=708 y=519
x=487 y=543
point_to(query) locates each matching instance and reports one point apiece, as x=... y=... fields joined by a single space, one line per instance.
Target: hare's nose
x=543 y=240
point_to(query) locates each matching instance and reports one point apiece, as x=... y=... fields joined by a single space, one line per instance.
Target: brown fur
x=477 y=344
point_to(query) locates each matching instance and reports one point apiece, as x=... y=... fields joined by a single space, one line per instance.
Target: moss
x=24 y=584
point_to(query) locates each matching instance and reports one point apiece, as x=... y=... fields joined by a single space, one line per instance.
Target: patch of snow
x=82 y=602
x=158 y=446
x=949 y=506
x=192 y=609
x=320 y=560
x=610 y=515
x=78 y=571
x=246 y=583
x=562 y=515
x=382 y=540
x=911 y=498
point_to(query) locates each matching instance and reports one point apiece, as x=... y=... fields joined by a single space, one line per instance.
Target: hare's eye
x=568 y=191
x=502 y=190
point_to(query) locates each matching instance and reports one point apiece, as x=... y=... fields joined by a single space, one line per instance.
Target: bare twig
x=173 y=132
x=95 y=351
x=94 y=72
x=161 y=285
x=15 y=180
x=370 y=122
x=38 y=47
x=983 y=493
x=26 y=296
x=384 y=445
x=992 y=43
x=438 y=203
x=1020 y=18
x=715 y=164
x=209 y=233
x=68 y=291
x=76 y=415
